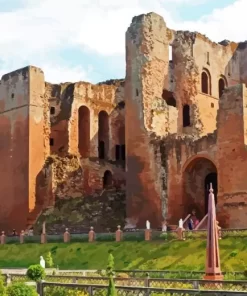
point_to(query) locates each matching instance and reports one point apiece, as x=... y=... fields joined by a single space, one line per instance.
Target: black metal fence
x=71 y=276
x=48 y=289
x=159 y=283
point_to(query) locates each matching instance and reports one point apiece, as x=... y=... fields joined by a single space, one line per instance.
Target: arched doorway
x=84 y=131
x=107 y=179
x=197 y=175
x=221 y=86
x=103 y=134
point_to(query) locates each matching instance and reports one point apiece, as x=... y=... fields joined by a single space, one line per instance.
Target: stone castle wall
x=173 y=124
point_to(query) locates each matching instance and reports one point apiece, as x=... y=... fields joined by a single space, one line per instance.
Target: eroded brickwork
x=175 y=124
x=176 y=103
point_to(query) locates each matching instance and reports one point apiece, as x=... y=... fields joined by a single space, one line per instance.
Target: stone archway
x=107 y=179
x=197 y=176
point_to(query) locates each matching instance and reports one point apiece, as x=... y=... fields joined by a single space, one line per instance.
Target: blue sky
x=84 y=39
x=188 y=12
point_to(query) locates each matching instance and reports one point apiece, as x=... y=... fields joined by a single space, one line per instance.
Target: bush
x=105 y=237
x=49 y=260
x=133 y=236
x=64 y=291
x=110 y=264
x=20 y=289
x=36 y=273
x=2 y=287
x=164 y=235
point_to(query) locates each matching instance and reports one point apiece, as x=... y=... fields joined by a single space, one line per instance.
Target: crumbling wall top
x=22 y=71
x=143 y=17
x=116 y=82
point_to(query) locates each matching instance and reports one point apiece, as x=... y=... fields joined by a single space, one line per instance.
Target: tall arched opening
x=186 y=115
x=221 y=86
x=107 y=179
x=84 y=131
x=197 y=176
x=206 y=82
x=103 y=134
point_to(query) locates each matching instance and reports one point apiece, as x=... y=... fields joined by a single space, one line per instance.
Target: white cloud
x=185 y=2
x=29 y=35
x=224 y=23
x=54 y=72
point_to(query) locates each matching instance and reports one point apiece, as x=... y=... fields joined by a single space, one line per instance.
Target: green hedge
x=127 y=236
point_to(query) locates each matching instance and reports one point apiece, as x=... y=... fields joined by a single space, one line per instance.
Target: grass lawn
x=177 y=255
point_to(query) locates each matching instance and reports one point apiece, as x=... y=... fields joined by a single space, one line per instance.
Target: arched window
x=171 y=102
x=221 y=86
x=84 y=131
x=107 y=179
x=186 y=115
x=169 y=98
x=206 y=82
x=103 y=134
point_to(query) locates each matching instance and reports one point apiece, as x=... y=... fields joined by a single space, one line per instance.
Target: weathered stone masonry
x=179 y=121
x=180 y=111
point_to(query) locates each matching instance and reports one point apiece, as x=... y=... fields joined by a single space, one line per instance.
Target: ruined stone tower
x=176 y=124
x=24 y=140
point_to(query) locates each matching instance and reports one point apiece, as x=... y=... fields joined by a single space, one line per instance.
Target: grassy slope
x=188 y=255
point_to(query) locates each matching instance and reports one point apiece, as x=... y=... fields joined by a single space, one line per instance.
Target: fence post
x=66 y=236
x=118 y=234
x=40 y=288
x=196 y=285
x=43 y=234
x=8 y=279
x=148 y=234
x=90 y=291
x=3 y=238
x=147 y=284
x=219 y=230
x=91 y=235
x=22 y=237
x=181 y=233
x=147 y=280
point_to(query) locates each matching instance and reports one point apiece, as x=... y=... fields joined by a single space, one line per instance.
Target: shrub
x=36 y=272
x=233 y=254
x=2 y=287
x=164 y=235
x=105 y=237
x=56 y=291
x=20 y=289
x=133 y=236
x=110 y=264
x=111 y=288
x=62 y=291
x=49 y=260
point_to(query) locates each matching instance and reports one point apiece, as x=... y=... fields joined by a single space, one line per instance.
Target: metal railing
x=48 y=288
x=158 y=274
x=160 y=283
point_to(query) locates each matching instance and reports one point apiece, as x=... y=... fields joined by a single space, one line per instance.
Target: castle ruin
x=177 y=123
